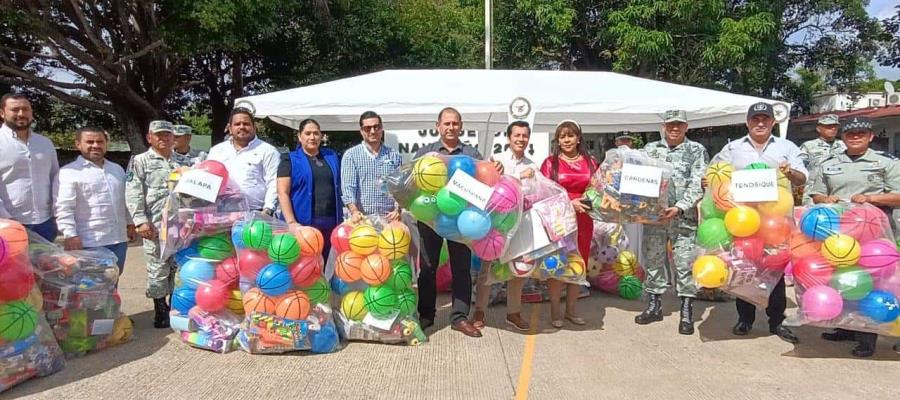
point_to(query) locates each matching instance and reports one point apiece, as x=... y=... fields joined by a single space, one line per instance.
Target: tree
x=890 y=55
x=804 y=87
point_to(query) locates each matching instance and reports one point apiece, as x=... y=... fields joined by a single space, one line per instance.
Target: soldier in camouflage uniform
x=858 y=175
x=182 y=153
x=679 y=222
x=813 y=152
x=146 y=193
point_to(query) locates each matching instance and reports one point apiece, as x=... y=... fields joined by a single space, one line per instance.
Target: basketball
x=183 y=299
x=407 y=301
x=364 y=240
x=215 y=247
x=381 y=301
x=257 y=235
x=227 y=271
x=401 y=277
x=375 y=269
x=819 y=222
x=318 y=292
x=256 y=301
x=340 y=238
x=878 y=255
x=625 y=263
x=842 y=250
x=865 y=223
x=449 y=203
x=710 y=271
x=742 y=221
x=721 y=195
x=430 y=174
x=630 y=287
x=719 y=173
x=506 y=195
x=212 y=296
x=393 y=242
x=489 y=247
x=194 y=272
x=284 y=249
x=250 y=262
x=802 y=245
x=274 y=280
x=292 y=305
x=347 y=266
x=15 y=236
x=353 y=306
x=305 y=272
x=311 y=241
x=235 y=302
x=17 y=320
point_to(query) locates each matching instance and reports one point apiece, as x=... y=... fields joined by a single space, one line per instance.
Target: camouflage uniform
x=192 y=158
x=689 y=160
x=813 y=152
x=146 y=192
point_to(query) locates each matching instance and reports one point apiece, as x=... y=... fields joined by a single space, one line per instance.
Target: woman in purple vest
x=309 y=183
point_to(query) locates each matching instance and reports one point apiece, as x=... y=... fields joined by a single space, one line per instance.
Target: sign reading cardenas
x=408 y=142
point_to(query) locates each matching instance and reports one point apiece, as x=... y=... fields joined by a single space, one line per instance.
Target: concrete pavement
x=611 y=357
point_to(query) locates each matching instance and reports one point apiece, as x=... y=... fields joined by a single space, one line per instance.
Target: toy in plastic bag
x=285 y=295
x=27 y=346
x=372 y=278
x=462 y=199
x=198 y=230
x=80 y=297
x=845 y=269
x=629 y=186
x=611 y=268
x=745 y=227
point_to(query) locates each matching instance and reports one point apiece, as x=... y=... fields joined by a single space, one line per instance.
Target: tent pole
x=488 y=25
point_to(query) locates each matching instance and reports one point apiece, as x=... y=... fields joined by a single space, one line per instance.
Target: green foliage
x=199 y=122
x=804 y=86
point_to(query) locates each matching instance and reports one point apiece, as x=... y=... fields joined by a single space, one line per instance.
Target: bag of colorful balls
x=845 y=269
x=372 y=279
x=284 y=292
x=203 y=201
x=462 y=199
x=745 y=227
x=629 y=186
x=611 y=268
x=27 y=346
x=79 y=290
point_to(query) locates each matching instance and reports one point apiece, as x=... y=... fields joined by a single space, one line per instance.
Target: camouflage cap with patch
x=161 y=126
x=675 y=116
x=181 y=130
x=829 y=119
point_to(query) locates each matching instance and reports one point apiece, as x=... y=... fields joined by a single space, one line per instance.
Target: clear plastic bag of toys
x=284 y=292
x=745 y=227
x=462 y=199
x=81 y=301
x=27 y=346
x=845 y=269
x=203 y=201
x=611 y=267
x=629 y=186
x=372 y=278
x=564 y=265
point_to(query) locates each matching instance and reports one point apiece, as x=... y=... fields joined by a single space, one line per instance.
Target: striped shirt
x=361 y=174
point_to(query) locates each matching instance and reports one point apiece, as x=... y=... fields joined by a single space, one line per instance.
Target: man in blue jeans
x=28 y=169
x=90 y=206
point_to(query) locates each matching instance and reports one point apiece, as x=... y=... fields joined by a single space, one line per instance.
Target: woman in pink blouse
x=572 y=167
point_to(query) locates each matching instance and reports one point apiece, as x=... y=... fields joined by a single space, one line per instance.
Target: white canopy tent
x=410 y=99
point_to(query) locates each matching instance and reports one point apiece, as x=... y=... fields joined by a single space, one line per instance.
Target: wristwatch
x=268 y=211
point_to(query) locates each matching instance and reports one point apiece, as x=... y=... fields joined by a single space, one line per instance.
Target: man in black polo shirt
x=449 y=125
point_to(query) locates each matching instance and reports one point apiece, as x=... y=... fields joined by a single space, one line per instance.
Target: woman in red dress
x=572 y=167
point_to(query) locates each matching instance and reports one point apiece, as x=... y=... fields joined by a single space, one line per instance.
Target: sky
x=882 y=9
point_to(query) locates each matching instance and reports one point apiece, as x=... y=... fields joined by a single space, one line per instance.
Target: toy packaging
x=611 y=268
x=284 y=292
x=845 y=269
x=629 y=186
x=745 y=227
x=462 y=199
x=203 y=212
x=81 y=302
x=27 y=346
x=372 y=279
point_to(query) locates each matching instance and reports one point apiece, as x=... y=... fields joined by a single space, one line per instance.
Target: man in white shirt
x=28 y=169
x=251 y=162
x=90 y=207
x=513 y=160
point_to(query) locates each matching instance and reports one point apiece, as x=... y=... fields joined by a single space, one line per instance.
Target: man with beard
x=362 y=168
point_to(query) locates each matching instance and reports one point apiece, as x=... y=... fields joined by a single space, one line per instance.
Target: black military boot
x=686 y=325
x=653 y=313
x=161 y=313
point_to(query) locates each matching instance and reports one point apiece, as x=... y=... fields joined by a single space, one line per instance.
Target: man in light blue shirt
x=760 y=145
x=362 y=168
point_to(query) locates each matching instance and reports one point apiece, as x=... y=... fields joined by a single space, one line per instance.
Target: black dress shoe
x=839 y=335
x=741 y=328
x=863 y=350
x=785 y=334
x=426 y=323
x=897 y=347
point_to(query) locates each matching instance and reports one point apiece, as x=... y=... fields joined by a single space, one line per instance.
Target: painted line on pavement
x=528 y=356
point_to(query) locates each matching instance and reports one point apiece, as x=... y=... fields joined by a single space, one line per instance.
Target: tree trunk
x=134 y=128
x=219 y=110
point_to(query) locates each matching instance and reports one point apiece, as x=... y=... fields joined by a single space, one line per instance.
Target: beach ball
x=473 y=224
x=709 y=210
x=821 y=303
x=712 y=234
x=460 y=163
x=710 y=271
x=812 y=270
x=487 y=173
x=775 y=230
x=750 y=249
x=445 y=226
x=880 y=306
x=742 y=221
x=449 y=203
x=852 y=283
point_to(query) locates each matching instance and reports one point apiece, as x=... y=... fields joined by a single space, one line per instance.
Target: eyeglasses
x=371 y=128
